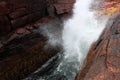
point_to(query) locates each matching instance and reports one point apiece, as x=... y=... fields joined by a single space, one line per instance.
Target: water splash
x=79 y=33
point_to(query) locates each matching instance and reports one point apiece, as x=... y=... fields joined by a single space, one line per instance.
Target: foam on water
x=79 y=32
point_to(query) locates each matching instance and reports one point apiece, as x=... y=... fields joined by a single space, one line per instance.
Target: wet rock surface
x=22 y=56
x=21 y=49
x=46 y=72
x=25 y=50
x=103 y=58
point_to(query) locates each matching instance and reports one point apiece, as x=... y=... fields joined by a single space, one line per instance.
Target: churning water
x=78 y=34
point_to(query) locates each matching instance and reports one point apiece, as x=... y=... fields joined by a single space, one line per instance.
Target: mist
x=53 y=32
x=79 y=33
x=81 y=30
x=75 y=36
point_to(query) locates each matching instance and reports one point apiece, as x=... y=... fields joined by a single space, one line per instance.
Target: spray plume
x=76 y=37
x=79 y=32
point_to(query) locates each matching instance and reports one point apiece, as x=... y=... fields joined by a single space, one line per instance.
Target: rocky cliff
x=104 y=56
x=15 y=13
x=22 y=49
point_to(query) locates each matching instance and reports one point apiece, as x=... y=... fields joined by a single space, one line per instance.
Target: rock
x=9 y=38
x=21 y=31
x=17 y=13
x=5 y=26
x=21 y=56
x=29 y=27
x=21 y=50
x=17 y=33
x=104 y=63
x=57 y=77
x=3 y=7
x=37 y=24
x=1 y=45
x=42 y=21
x=16 y=23
x=47 y=71
x=63 y=8
x=60 y=7
x=24 y=53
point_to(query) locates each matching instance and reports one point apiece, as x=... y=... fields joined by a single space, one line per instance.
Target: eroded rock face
x=22 y=56
x=104 y=63
x=18 y=13
x=25 y=50
x=22 y=51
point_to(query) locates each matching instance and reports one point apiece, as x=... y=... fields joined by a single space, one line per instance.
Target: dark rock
x=63 y=8
x=21 y=50
x=21 y=31
x=22 y=56
x=3 y=8
x=42 y=21
x=29 y=27
x=57 y=77
x=47 y=71
x=1 y=45
x=5 y=26
x=60 y=7
x=26 y=19
x=19 y=13
x=9 y=38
